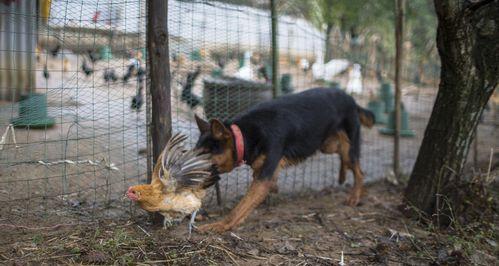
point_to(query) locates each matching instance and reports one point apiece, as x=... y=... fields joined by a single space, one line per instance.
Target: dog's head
x=216 y=139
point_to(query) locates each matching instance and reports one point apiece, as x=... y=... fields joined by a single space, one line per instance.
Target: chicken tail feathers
x=182 y=168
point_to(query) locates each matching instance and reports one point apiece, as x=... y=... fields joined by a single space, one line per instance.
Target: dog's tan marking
x=356 y=193
x=257 y=192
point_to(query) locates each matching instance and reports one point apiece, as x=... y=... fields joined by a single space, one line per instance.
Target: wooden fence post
x=399 y=36
x=275 y=50
x=159 y=76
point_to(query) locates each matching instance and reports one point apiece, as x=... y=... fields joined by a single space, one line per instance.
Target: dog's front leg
x=256 y=194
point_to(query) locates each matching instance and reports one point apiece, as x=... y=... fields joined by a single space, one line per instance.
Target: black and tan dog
x=283 y=132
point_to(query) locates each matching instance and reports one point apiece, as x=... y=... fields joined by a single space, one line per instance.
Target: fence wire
x=81 y=127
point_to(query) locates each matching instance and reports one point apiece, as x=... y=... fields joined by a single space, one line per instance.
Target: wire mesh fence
x=77 y=139
x=76 y=136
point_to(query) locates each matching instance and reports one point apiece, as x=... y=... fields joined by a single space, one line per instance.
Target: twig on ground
x=487 y=178
x=235 y=236
x=227 y=252
x=143 y=230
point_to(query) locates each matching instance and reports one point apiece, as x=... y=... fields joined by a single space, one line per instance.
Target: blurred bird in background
x=187 y=96
x=178 y=183
x=46 y=74
x=141 y=73
x=129 y=73
x=137 y=100
x=93 y=55
x=110 y=75
x=86 y=69
x=54 y=52
x=245 y=72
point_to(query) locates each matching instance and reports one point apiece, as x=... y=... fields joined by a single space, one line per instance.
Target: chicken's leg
x=191 y=222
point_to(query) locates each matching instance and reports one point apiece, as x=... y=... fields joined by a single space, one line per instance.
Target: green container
x=196 y=55
x=226 y=97
x=386 y=95
x=217 y=73
x=33 y=112
x=333 y=85
x=105 y=53
x=405 y=131
x=286 y=84
x=378 y=109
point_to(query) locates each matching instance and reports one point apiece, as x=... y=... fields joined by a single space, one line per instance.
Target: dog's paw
x=218 y=227
x=202 y=215
x=353 y=200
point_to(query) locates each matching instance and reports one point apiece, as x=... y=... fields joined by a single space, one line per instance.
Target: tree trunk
x=329 y=52
x=467 y=37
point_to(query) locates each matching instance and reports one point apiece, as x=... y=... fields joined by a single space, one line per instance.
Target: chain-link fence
x=73 y=108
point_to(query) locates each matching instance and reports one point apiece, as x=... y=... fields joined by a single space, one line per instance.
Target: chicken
x=55 y=51
x=178 y=184
x=141 y=73
x=110 y=75
x=187 y=96
x=46 y=73
x=245 y=72
x=93 y=55
x=86 y=69
x=137 y=100
x=129 y=73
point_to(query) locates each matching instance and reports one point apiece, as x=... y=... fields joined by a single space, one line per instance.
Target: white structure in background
x=203 y=23
x=245 y=72
x=193 y=24
x=330 y=69
x=354 y=84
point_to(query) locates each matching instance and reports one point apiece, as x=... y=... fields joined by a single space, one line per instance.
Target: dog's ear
x=203 y=126
x=218 y=130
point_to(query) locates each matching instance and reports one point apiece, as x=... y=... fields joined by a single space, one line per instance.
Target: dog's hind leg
x=351 y=153
x=358 y=184
x=344 y=151
x=333 y=144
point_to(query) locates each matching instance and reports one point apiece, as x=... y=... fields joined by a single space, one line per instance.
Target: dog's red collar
x=238 y=137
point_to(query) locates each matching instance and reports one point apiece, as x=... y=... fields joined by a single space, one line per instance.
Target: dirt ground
x=309 y=229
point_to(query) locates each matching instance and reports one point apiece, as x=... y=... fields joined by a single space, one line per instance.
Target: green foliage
x=376 y=19
x=421 y=27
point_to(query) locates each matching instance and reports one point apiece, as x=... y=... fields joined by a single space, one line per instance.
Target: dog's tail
x=367 y=118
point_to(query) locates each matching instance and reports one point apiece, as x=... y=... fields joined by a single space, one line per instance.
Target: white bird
x=354 y=84
x=245 y=72
x=304 y=64
x=330 y=69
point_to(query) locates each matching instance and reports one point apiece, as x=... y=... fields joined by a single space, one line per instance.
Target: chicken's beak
x=131 y=194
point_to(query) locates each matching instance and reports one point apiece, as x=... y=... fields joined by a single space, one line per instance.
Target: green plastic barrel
x=33 y=112
x=286 y=84
x=378 y=109
x=386 y=95
x=106 y=53
x=405 y=131
x=333 y=85
x=225 y=97
x=196 y=55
